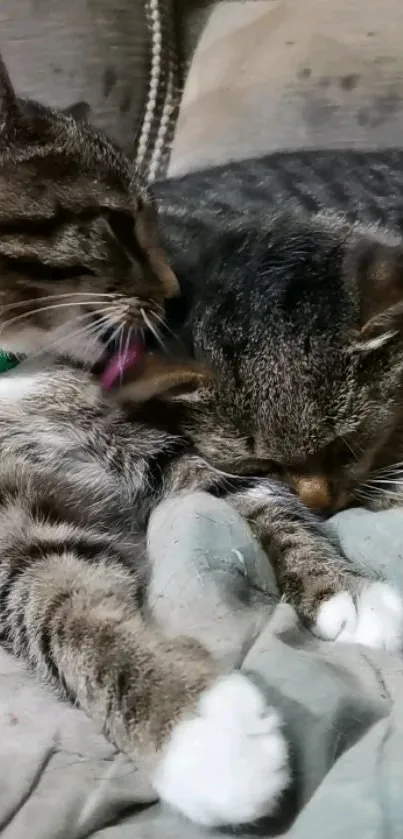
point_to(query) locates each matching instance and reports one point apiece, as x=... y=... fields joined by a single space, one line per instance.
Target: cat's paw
x=229 y=764
x=374 y=618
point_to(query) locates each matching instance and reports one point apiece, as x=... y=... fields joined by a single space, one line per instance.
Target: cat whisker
x=114 y=337
x=349 y=446
x=393 y=468
x=364 y=497
x=121 y=362
x=375 y=493
x=166 y=326
x=388 y=481
x=371 y=487
x=387 y=476
x=153 y=330
x=93 y=330
x=231 y=476
x=117 y=336
x=54 y=297
x=361 y=493
x=381 y=492
x=127 y=343
x=6 y=324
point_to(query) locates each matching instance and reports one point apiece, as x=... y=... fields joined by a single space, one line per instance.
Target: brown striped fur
x=81 y=473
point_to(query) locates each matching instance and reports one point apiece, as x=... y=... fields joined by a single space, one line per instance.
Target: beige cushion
x=280 y=74
x=100 y=53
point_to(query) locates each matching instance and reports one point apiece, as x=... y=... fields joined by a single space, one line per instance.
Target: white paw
x=229 y=764
x=374 y=618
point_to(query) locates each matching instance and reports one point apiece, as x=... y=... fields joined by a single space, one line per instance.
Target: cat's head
x=302 y=328
x=79 y=252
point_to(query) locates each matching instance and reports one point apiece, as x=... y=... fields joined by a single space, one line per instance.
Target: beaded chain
x=164 y=92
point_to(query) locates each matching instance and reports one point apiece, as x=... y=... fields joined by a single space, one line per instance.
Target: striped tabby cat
x=81 y=471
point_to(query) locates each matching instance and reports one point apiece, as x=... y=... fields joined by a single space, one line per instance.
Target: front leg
x=69 y=607
x=309 y=568
x=329 y=595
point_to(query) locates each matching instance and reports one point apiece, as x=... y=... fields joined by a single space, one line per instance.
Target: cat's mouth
x=121 y=360
x=118 y=359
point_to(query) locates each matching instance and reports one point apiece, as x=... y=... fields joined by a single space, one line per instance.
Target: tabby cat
x=298 y=363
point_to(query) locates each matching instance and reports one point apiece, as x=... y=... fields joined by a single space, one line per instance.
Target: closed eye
x=259 y=466
x=342 y=452
x=122 y=227
x=38 y=270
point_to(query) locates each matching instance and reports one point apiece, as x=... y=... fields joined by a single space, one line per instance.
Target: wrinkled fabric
x=342 y=705
x=274 y=75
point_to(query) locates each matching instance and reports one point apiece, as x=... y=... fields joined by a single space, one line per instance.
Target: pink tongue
x=120 y=362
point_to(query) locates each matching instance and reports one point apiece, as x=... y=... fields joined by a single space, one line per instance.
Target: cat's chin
x=35 y=344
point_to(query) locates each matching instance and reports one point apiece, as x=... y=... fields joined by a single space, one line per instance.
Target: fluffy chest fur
x=58 y=432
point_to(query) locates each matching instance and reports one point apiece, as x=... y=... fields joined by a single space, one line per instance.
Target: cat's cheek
x=26 y=342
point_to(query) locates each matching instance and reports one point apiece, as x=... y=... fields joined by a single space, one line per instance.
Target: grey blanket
x=342 y=704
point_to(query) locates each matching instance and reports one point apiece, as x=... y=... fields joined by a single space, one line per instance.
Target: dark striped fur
x=81 y=473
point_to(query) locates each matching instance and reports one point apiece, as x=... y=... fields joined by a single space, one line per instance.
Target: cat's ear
x=146 y=229
x=378 y=275
x=9 y=107
x=164 y=378
x=80 y=111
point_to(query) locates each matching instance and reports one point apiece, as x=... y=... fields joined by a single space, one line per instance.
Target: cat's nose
x=313 y=491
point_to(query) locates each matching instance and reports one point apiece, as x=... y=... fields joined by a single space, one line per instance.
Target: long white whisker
x=54 y=346
x=387 y=489
x=231 y=475
x=92 y=330
x=120 y=357
x=364 y=497
x=349 y=447
x=392 y=469
x=165 y=325
x=115 y=335
x=381 y=492
x=127 y=342
x=26 y=315
x=153 y=330
x=387 y=481
x=93 y=335
x=89 y=295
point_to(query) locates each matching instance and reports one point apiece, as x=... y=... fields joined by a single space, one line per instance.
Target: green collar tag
x=8 y=362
